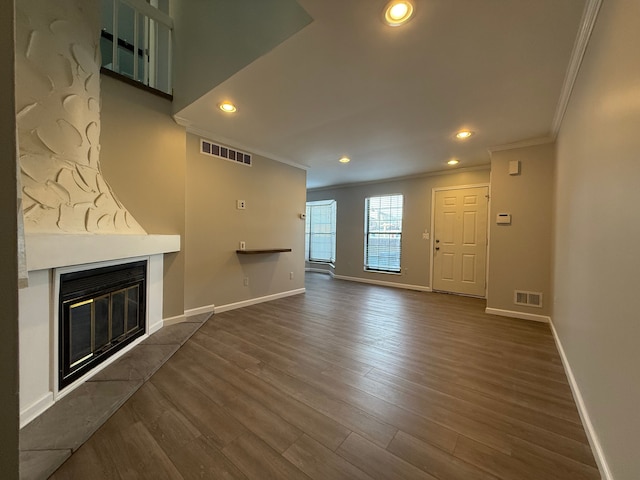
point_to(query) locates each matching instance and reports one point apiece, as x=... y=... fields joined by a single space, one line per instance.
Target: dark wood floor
x=350 y=381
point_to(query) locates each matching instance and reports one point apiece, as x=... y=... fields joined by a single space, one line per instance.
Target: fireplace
x=100 y=312
x=52 y=257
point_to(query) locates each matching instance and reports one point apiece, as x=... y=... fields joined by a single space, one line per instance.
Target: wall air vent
x=530 y=299
x=220 y=151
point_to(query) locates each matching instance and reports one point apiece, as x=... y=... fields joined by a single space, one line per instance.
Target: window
x=320 y=231
x=135 y=41
x=383 y=233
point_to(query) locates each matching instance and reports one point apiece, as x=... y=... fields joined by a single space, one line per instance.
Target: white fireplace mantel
x=45 y=251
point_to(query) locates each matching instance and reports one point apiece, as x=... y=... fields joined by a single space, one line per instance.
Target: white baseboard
x=521 y=315
x=253 y=301
x=155 y=327
x=36 y=408
x=197 y=311
x=406 y=286
x=317 y=270
x=594 y=441
x=173 y=320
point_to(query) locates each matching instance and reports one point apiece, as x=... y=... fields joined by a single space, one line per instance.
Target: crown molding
x=589 y=16
x=530 y=142
x=209 y=134
x=436 y=173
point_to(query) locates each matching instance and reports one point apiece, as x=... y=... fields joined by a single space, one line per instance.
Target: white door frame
x=433 y=224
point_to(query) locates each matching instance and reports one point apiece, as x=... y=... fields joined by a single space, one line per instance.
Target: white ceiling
x=392 y=98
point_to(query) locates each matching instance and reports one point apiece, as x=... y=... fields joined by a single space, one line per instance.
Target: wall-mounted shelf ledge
x=256 y=252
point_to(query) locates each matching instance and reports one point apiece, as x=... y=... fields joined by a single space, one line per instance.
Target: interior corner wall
x=275 y=197
x=143 y=158
x=417 y=191
x=520 y=254
x=597 y=235
x=9 y=463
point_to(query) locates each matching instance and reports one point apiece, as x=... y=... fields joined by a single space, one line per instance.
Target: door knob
x=437 y=241
x=437 y=248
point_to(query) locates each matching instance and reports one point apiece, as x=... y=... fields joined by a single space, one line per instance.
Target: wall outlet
x=246 y=281
x=243 y=246
x=290 y=275
x=241 y=204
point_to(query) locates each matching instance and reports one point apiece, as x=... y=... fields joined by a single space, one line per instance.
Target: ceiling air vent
x=530 y=299
x=220 y=151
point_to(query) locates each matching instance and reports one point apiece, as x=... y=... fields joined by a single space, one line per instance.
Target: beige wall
x=417 y=219
x=9 y=248
x=274 y=195
x=520 y=253
x=597 y=264
x=143 y=159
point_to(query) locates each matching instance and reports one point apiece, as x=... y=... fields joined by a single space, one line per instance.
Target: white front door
x=460 y=240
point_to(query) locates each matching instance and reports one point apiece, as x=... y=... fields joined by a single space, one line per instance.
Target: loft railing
x=135 y=42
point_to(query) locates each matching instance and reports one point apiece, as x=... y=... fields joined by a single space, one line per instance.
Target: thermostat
x=503 y=219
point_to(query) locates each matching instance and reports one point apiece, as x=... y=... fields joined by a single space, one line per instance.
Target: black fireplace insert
x=100 y=312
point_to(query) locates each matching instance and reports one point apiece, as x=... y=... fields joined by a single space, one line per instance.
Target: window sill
x=382 y=272
x=319 y=262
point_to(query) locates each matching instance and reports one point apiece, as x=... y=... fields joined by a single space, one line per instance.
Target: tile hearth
x=47 y=441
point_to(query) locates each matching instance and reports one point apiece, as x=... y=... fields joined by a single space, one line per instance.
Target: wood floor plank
x=434 y=461
x=350 y=381
x=419 y=346
x=381 y=402
x=312 y=422
x=148 y=404
x=353 y=348
x=501 y=416
x=320 y=463
x=525 y=462
x=138 y=456
x=494 y=462
x=259 y=461
x=305 y=342
x=553 y=464
x=200 y=459
x=378 y=462
x=90 y=461
x=228 y=352
x=343 y=412
x=254 y=415
x=208 y=417
x=173 y=430
x=520 y=405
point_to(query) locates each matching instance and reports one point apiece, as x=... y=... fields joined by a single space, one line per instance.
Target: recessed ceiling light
x=463 y=134
x=453 y=161
x=344 y=160
x=398 y=12
x=227 y=107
